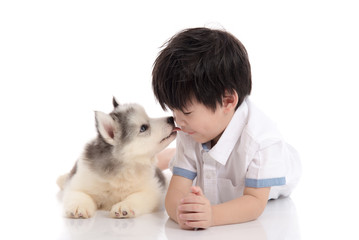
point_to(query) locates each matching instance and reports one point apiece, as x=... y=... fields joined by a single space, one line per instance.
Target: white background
x=61 y=60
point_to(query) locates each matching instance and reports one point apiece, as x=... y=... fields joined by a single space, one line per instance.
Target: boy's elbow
x=252 y=214
x=257 y=213
x=170 y=208
x=259 y=209
x=259 y=200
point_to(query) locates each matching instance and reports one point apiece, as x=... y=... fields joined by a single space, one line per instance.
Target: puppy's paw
x=122 y=210
x=80 y=207
x=80 y=210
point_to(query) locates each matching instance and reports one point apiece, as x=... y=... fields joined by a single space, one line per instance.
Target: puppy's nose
x=170 y=120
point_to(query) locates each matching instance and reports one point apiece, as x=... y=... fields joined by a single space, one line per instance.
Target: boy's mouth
x=175 y=129
x=189 y=133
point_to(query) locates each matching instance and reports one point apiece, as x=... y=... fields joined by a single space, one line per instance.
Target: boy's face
x=201 y=123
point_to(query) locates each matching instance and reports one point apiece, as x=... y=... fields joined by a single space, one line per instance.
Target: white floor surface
x=279 y=213
x=37 y=214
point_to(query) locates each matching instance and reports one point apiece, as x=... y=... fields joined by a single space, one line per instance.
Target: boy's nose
x=178 y=119
x=179 y=122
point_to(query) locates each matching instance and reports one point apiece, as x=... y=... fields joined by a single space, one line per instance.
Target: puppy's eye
x=143 y=128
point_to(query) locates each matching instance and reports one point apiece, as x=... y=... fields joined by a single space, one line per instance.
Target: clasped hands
x=194 y=210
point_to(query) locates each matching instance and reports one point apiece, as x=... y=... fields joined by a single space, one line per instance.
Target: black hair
x=202 y=63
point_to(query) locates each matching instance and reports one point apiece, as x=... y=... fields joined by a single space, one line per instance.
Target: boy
x=230 y=158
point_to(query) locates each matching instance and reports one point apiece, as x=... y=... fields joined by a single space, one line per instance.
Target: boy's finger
x=193 y=208
x=193 y=217
x=197 y=224
x=192 y=200
x=197 y=190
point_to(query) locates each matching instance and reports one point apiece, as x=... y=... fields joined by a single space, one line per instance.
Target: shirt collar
x=221 y=151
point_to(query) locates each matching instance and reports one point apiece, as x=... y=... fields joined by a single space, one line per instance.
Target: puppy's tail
x=61 y=181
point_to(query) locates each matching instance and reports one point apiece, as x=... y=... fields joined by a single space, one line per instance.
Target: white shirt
x=250 y=153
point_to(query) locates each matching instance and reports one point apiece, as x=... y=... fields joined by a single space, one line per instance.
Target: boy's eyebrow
x=187 y=108
x=183 y=109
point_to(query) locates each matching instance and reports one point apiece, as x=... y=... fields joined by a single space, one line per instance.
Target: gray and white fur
x=117 y=170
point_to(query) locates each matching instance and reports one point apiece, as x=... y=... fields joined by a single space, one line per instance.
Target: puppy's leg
x=137 y=204
x=78 y=205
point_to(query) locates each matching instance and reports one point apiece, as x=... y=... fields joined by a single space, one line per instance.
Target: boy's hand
x=194 y=210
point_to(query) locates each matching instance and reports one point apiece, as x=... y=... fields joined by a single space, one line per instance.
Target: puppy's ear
x=105 y=126
x=114 y=102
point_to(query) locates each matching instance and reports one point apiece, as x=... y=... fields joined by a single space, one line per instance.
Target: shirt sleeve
x=183 y=163
x=267 y=167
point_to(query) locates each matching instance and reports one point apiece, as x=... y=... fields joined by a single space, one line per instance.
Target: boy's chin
x=199 y=139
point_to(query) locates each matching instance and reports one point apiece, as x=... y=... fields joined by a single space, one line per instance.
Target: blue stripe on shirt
x=184 y=173
x=261 y=183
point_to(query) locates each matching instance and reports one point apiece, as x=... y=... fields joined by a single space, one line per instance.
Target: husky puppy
x=117 y=170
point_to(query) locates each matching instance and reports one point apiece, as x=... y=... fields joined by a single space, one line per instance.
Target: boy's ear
x=105 y=126
x=229 y=101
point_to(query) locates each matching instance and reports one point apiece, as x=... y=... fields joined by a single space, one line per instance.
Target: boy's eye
x=186 y=113
x=143 y=128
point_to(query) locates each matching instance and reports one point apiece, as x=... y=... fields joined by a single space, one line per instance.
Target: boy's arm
x=177 y=189
x=164 y=157
x=199 y=214
x=243 y=209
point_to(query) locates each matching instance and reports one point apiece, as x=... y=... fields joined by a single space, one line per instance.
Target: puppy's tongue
x=176 y=129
